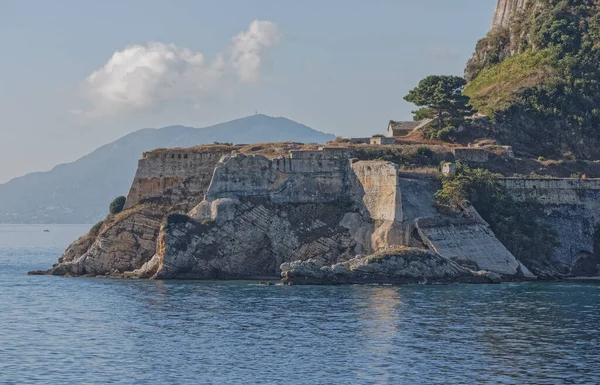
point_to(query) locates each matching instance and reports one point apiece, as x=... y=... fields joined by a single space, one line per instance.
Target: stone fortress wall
x=396 y=208
x=158 y=171
x=389 y=207
x=301 y=177
x=554 y=190
x=571 y=207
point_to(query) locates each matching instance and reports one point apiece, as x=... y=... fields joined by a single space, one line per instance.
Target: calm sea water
x=97 y=331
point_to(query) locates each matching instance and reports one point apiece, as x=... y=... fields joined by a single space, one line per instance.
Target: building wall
x=383 y=140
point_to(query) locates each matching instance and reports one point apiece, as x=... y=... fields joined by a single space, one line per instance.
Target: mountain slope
x=79 y=192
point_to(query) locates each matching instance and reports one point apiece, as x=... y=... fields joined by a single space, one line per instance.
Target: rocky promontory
x=255 y=211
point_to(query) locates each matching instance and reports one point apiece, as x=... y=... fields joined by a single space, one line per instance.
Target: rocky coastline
x=312 y=216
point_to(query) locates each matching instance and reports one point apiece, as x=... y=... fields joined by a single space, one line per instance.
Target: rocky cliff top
x=505 y=10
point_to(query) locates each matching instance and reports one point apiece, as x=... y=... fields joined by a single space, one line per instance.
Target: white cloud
x=248 y=46
x=153 y=75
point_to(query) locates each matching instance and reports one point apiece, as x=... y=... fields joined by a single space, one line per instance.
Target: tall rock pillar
x=505 y=11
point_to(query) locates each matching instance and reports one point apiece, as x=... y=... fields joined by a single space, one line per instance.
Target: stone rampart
x=469 y=154
x=376 y=185
x=381 y=140
x=161 y=170
x=571 y=208
x=303 y=177
x=554 y=190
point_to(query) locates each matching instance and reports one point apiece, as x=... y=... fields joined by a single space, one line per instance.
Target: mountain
x=79 y=192
x=536 y=74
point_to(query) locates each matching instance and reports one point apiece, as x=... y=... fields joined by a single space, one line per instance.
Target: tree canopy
x=441 y=98
x=116 y=206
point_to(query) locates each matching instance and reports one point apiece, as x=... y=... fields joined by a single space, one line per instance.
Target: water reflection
x=109 y=331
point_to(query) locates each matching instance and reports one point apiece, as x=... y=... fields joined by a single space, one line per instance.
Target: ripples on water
x=91 y=331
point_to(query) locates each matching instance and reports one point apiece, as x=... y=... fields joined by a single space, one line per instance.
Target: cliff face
x=505 y=10
x=191 y=216
x=259 y=213
x=317 y=212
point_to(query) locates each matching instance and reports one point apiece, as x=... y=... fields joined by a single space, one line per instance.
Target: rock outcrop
x=259 y=213
x=247 y=214
x=505 y=10
x=392 y=266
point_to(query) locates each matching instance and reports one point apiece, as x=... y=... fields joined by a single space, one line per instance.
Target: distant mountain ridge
x=79 y=192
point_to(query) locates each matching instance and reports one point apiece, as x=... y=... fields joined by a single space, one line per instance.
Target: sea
x=57 y=330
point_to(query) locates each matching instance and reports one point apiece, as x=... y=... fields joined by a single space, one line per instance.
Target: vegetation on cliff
x=516 y=224
x=540 y=78
x=116 y=206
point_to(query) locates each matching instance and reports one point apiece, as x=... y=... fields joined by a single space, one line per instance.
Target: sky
x=77 y=74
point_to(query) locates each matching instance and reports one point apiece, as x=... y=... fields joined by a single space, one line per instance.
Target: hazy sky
x=76 y=74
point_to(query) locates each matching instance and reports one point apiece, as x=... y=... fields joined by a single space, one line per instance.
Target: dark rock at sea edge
x=395 y=266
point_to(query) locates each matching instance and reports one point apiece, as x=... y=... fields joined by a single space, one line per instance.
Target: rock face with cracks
x=392 y=266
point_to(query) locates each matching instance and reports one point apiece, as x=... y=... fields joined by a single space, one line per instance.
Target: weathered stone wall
x=360 y=140
x=162 y=170
x=382 y=140
x=375 y=184
x=468 y=154
x=304 y=177
x=571 y=208
x=470 y=242
x=556 y=191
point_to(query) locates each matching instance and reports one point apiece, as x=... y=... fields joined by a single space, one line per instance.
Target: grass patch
x=496 y=88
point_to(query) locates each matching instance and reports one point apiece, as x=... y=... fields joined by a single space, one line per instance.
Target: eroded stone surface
x=245 y=215
x=392 y=266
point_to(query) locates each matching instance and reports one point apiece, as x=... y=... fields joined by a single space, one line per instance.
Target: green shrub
x=96 y=228
x=116 y=206
x=424 y=151
x=207 y=221
x=518 y=225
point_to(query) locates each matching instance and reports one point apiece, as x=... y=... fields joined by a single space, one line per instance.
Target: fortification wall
x=304 y=177
x=468 y=154
x=554 y=191
x=162 y=170
x=376 y=185
x=571 y=208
